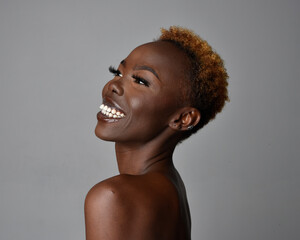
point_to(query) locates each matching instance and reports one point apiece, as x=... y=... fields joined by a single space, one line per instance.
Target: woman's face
x=143 y=95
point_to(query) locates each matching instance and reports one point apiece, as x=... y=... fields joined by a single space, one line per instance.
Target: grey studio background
x=241 y=171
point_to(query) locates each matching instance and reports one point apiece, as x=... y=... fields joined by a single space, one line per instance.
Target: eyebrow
x=142 y=67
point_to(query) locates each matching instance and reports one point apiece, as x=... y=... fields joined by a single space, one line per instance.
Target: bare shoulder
x=131 y=206
x=142 y=191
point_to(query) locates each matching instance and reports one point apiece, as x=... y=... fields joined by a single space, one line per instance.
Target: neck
x=136 y=159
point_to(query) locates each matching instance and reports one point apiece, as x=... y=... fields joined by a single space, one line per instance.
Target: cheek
x=150 y=111
x=143 y=106
x=136 y=103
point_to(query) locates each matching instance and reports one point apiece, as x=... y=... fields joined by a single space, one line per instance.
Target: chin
x=114 y=133
x=100 y=133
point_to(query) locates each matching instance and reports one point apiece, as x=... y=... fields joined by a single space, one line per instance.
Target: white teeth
x=111 y=112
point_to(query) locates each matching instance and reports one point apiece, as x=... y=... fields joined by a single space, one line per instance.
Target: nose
x=115 y=86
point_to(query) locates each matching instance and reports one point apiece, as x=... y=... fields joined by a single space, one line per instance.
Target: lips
x=110 y=110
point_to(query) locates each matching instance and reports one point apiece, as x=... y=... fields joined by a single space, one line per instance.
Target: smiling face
x=147 y=88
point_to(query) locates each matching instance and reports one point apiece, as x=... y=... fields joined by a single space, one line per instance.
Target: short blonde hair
x=207 y=75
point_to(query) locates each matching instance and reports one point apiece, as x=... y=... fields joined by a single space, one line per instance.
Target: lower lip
x=102 y=117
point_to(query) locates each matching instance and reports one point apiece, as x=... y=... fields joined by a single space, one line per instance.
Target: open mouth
x=111 y=112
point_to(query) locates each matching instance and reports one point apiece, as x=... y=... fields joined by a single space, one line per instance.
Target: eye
x=140 y=80
x=115 y=72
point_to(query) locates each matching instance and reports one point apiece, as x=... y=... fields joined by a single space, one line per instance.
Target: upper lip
x=111 y=103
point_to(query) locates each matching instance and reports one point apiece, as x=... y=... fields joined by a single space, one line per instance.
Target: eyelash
x=140 y=80
x=137 y=79
x=115 y=72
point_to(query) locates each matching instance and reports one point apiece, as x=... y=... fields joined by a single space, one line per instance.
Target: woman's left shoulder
x=126 y=206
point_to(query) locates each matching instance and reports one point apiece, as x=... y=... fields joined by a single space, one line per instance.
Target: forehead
x=165 y=58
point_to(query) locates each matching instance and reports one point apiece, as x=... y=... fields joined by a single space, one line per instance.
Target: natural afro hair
x=207 y=74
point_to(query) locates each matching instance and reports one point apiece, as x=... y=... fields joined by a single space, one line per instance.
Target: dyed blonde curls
x=207 y=74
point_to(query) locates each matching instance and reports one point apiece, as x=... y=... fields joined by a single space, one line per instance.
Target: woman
x=160 y=94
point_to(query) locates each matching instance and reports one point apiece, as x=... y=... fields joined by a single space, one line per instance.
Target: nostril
x=115 y=87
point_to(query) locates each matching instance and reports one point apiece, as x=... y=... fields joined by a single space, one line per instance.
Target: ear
x=185 y=119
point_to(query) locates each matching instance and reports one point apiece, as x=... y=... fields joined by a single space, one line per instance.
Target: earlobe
x=190 y=127
x=185 y=119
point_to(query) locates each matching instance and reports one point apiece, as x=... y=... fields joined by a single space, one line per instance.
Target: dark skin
x=148 y=199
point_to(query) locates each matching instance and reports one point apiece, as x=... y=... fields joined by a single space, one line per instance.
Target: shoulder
x=108 y=194
x=128 y=202
x=104 y=214
x=134 y=189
